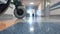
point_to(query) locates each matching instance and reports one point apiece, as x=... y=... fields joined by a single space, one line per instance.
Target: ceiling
x=27 y=2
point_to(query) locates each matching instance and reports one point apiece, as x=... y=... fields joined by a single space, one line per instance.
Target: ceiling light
x=31 y=3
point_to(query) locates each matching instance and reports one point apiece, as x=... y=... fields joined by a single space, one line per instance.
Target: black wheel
x=20 y=13
x=4 y=5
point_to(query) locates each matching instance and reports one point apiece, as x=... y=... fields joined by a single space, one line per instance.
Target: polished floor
x=30 y=25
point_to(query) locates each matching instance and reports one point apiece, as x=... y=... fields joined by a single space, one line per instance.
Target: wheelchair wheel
x=20 y=13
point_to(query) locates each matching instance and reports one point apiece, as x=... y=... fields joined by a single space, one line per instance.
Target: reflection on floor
x=30 y=25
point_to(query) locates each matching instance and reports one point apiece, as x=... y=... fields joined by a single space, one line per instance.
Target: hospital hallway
x=29 y=25
x=32 y=17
